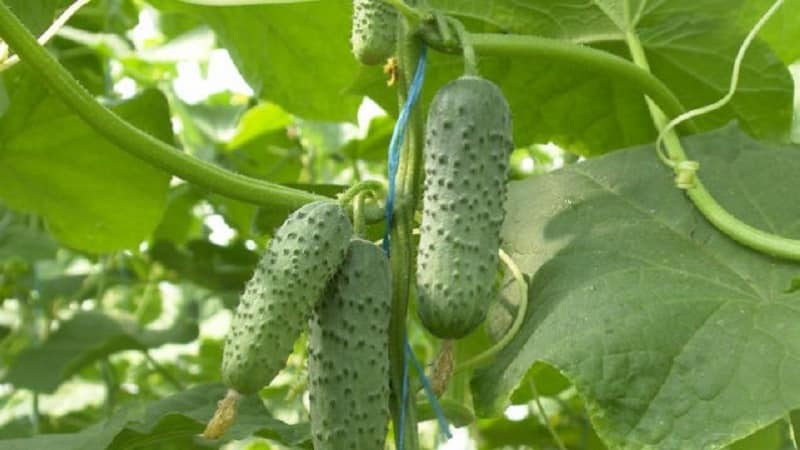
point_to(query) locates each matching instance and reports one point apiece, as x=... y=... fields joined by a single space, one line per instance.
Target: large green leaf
x=87 y=337
x=676 y=336
x=207 y=264
x=690 y=45
x=781 y=32
x=21 y=242
x=171 y=423
x=176 y=421
x=243 y=2
x=295 y=55
x=94 y=196
x=38 y=15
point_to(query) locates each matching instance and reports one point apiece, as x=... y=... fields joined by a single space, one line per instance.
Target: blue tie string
x=398 y=136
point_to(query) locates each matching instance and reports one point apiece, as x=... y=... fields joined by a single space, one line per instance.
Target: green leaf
x=174 y=423
x=690 y=45
x=375 y=144
x=177 y=421
x=207 y=264
x=38 y=15
x=94 y=196
x=668 y=329
x=773 y=437
x=781 y=32
x=295 y=55
x=179 y=223
x=794 y=421
x=87 y=337
x=530 y=433
x=22 y=242
x=258 y=121
x=95 y=437
x=243 y=2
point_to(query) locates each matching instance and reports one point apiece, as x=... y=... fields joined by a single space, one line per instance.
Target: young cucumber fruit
x=467 y=146
x=348 y=361
x=374 y=31
x=302 y=256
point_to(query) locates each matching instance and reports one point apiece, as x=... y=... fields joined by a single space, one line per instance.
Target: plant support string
x=398 y=136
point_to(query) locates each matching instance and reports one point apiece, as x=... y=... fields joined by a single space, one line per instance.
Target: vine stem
x=350 y=194
x=135 y=141
x=550 y=429
x=164 y=372
x=522 y=310
x=584 y=57
x=704 y=202
x=109 y=379
x=407 y=187
x=411 y=14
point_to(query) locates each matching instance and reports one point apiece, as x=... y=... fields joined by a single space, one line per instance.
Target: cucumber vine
x=135 y=141
x=409 y=173
x=724 y=221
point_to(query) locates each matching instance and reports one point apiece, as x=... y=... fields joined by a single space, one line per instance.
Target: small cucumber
x=302 y=256
x=374 y=31
x=467 y=147
x=348 y=361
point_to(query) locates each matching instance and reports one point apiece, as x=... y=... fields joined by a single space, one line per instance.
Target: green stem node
x=724 y=221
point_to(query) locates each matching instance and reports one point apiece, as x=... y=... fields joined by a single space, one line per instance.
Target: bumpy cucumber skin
x=374 y=31
x=302 y=256
x=348 y=361
x=467 y=147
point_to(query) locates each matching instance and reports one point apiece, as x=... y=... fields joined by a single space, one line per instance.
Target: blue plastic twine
x=395 y=145
x=398 y=135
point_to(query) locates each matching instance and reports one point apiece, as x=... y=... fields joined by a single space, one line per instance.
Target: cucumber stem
x=350 y=194
x=407 y=186
x=411 y=14
x=522 y=310
x=587 y=58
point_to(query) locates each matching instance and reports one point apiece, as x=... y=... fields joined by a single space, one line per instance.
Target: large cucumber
x=348 y=361
x=374 y=31
x=302 y=256
x=467 y=147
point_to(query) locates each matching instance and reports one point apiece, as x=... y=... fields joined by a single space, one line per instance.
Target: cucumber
x=348 y=361
x=302 y=256
x=468 y=142
x=374 y=31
